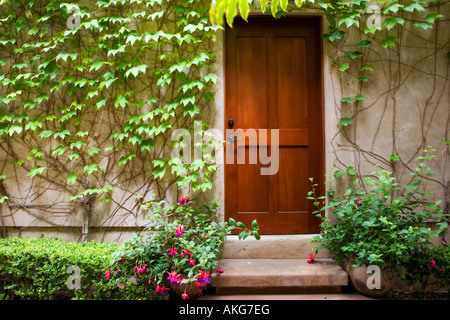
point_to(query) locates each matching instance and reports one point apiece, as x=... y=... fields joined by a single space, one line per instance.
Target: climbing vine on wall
x=90 y=94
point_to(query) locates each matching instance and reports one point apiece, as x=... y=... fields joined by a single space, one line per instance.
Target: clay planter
x=372 y=288
x=176 y=291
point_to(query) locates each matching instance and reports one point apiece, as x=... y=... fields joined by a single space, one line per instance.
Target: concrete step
x=264 y=276
x=271 y=247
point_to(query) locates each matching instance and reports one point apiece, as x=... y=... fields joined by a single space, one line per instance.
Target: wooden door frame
x=316 y=142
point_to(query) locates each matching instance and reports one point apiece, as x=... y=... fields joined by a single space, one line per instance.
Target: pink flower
x=311 y=258
x=172 y=251
x=358 y=203
x=173 y=276
x=184 y=199
x=432 y=263
x=219 y=270
x=141 y=269
x=191 y=262
x=187 y=252
x=185 y=295
x=107 y=274
x=179 y=231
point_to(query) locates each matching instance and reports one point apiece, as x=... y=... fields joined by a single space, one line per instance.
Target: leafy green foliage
x=40 y=269
x=377 y=222
x=97 y=85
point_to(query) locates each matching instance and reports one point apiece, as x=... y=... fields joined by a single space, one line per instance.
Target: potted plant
x=179 y=251
x=374 y=224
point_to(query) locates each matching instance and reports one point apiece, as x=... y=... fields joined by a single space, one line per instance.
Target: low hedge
x=51 y=269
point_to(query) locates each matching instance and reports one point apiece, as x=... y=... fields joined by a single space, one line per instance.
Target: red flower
x=107 y=274
x=219 y=270
x=173 y=276
x=203 y=277
x=311 y=258
x=179 y=231
x=185 y=295
x=191 y=262
x=432 y=263
x=358 y=203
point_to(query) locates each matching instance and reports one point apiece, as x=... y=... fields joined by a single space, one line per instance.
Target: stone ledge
x=279 y=273
x=294 y=246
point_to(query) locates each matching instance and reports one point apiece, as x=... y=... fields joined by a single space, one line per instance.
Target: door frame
x=317 y=142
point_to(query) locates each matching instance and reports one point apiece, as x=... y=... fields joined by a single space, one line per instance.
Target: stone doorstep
x=271 y=247
x=279 y=275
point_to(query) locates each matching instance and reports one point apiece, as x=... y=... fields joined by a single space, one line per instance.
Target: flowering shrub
x=428 y=266
x=375 y=226
x=180 y=249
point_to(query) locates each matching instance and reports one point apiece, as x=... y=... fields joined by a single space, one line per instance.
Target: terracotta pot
x=176 y=291
x=378 y=284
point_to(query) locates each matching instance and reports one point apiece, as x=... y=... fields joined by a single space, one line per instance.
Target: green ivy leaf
x=345 y=121
x=353 y=54
x=244 y=9
x=414 y=6
x=347 y=99
x=135 y=71
x=343 y=67
x=72 y=178
x=389 y=23
x=432 y=16
x=35 y=171
x=388 y=41
x=159 y=172
x=89 y=169
x=422 y=25
x=59 y=150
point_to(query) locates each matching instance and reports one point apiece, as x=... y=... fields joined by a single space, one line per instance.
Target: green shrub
x=48 y=269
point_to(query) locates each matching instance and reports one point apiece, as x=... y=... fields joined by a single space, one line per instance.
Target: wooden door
x=273 y=81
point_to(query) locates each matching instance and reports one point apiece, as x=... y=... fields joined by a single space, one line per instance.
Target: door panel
x=272 y=72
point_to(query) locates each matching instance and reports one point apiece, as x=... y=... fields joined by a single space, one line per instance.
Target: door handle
x=231 y=139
